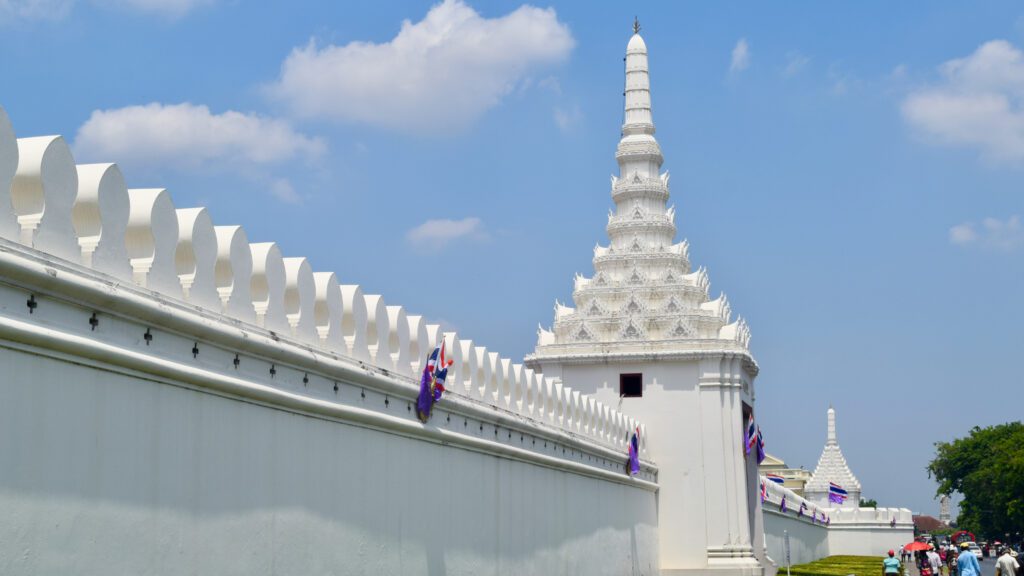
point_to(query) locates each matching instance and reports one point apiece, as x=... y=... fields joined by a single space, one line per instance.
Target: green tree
x=872 y=503
x=987 y=468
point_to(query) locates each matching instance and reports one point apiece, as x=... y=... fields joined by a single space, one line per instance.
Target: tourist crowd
x=950 y=561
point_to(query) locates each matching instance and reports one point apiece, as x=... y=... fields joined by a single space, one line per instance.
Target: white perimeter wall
x=807 y=542
x=851 y=531
x=106 y=473
x=867 y=531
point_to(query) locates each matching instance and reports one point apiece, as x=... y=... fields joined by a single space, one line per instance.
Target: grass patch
x=839 y=566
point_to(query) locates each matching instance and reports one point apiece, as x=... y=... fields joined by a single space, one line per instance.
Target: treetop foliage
x=987 y=468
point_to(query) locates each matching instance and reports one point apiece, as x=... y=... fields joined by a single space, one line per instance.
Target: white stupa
x=832 y=467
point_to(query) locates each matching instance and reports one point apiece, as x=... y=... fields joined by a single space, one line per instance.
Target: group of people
x=951 y=562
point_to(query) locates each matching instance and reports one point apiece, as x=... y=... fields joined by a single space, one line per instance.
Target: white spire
x=831 y=439
x=638 y=119
x=643 y=296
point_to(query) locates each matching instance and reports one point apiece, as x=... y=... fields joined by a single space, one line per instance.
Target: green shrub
x=839 y=566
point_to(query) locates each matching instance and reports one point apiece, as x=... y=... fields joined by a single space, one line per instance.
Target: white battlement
x=86 y=216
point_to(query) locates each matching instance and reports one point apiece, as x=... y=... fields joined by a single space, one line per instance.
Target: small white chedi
x=832 y=467
x=644 y=336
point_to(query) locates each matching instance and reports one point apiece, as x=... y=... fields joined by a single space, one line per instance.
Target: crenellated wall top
x=101 y=232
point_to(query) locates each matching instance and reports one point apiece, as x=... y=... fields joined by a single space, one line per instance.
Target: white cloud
x=979 y=103
x=740 y=56
x=991 y=233
x=795 y=63
x=442 y=72
x=34 y=9
x=438 y=233
x=190 y=136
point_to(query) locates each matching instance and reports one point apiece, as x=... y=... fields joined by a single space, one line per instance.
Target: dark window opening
x=631 y=385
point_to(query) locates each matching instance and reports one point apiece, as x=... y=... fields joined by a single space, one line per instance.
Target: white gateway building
x=645 y=336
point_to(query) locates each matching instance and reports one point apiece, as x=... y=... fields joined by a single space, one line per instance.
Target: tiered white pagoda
x=645 y=336
x=643 y=296
x=832 y=467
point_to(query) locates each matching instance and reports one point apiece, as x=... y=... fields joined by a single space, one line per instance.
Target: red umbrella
x=916 y=546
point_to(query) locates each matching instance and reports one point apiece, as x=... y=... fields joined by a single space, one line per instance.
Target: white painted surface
x=106 y=473
x=869 y=531
x=807 y=542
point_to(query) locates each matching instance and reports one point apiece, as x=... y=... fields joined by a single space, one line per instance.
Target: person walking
x=934 y=562
x=967 y=562
x=891 y=565
x=1007 y=565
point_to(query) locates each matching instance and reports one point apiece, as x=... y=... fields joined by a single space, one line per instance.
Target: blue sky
x=849 y=174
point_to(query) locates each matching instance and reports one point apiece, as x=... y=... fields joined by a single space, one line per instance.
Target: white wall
x=131 y=442
x=706 y=503
x=807 y=542
x=869 y=531
x=103 y=472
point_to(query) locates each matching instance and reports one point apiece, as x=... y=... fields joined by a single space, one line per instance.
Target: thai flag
x=750 y=435
x=432 y=382
x=775 y=478
x=836 y=493
x=634 y=453
x=760 y=446
x=764 y=491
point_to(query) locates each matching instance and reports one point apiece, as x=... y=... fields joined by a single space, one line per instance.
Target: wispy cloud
x=841 y=79
x=12 y=10
x=444 y=71
x=567 y=118
x=190 y=136
x=977 y=104
x=795 y=63
x=438 y=233
x=991 y=233
x=167 y=8
x=740 y=56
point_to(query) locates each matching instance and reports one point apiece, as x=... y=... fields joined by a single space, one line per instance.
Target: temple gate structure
x=644 y=336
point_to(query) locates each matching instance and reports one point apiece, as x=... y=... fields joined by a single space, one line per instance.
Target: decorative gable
x=631 y=331
x=582 y=334
x=682 y=329
x=633 y=306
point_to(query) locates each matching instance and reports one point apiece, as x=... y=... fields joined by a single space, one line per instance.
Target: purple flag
x=634 y=453
x=782 y=505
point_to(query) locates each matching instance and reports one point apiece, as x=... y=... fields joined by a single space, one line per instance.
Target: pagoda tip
x=636 y=25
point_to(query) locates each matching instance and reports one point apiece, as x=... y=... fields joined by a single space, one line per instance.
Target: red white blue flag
x=750 y=435
x=432 y=382
x=836 y=493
